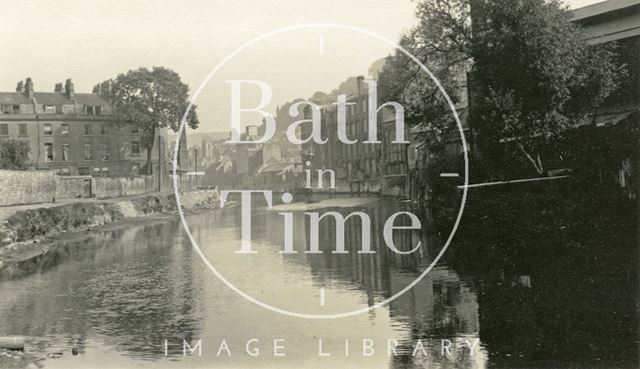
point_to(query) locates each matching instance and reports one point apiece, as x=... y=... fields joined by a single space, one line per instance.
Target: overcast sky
x=93 y=41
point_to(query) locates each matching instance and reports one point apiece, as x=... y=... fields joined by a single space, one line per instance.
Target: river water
x=128 y=298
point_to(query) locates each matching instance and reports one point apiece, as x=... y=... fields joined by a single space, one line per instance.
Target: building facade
x=74 y=133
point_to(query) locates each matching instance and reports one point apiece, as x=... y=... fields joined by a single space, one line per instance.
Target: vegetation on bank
x=28 y=225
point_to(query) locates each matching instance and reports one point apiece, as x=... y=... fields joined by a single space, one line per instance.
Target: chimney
x=58 y=88
x=360 y=80
x=68 y=86
x=29 y=87
x=20 y=87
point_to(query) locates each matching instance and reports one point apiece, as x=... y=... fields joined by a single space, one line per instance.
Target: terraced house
x=73 y=133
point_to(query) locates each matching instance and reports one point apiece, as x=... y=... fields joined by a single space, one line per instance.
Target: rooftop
x=603 y=7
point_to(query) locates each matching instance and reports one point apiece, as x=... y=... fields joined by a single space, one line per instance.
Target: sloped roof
x=601 y=120
x=13 y=98
x=90 y=99
x=52 y=98
x=273 y=167
x=602 y=8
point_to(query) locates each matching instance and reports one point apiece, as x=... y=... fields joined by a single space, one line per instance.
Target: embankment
x=23 y=234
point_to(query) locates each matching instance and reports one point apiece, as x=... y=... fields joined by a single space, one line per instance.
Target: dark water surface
x=518 y=302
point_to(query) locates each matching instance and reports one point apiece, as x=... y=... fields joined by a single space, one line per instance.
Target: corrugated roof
x=602 y=8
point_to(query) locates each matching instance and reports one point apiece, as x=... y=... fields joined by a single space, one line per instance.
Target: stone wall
x=20 y=187
x=33 y=187
x=126 y=186
x=71 y=187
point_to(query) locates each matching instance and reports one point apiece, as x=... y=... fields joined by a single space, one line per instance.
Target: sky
x=94 y=41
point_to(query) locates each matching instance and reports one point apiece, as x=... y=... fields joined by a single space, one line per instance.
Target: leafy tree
x=441 y=41
x=533 y=77
x=536 y=76
x=152 y=99
x=14 y=155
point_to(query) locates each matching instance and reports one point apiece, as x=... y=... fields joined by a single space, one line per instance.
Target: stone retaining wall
x=26 y=187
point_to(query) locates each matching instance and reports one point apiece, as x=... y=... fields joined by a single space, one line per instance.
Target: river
x=127 y=298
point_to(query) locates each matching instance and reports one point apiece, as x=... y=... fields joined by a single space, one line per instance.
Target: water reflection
x=119 y=299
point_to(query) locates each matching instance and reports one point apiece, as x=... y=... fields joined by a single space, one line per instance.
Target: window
x=96 y=171
x=22 y=129
x=88 y=151
x=49 y=109
x=65 y=152
x=10 y=109
x=65 y=171
x=84 y=171
x=135 y=147
x=103 y=130
x=48 y=152
x=48 y=130
x=87 y=130
x=135 y=170
x=104 y=151
x=4 y=129
x=92 y=110
x=64 y=129
x=105 y=171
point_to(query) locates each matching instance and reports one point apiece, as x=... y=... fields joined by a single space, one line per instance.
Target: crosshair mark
x=449 y=175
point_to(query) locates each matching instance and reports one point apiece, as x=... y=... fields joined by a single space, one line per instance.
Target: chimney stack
x=29 y=87
x=20 y=87
x=58 y=88
x=68 y=86
x=360 y=80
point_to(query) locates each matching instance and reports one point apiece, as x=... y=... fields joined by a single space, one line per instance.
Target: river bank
x=27 y=234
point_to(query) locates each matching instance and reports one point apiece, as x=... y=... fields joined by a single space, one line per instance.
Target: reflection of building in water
x=443 y=304
x=440 y=306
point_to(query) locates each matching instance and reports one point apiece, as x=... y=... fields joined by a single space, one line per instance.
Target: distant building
x=74 y=133
x=356 y=165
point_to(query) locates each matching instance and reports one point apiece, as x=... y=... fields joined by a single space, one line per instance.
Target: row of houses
x=76 y=133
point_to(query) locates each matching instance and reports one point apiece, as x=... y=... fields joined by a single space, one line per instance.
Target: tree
x=536 y=77
x=152 y=99
x=441 y=41
x=14 y=155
